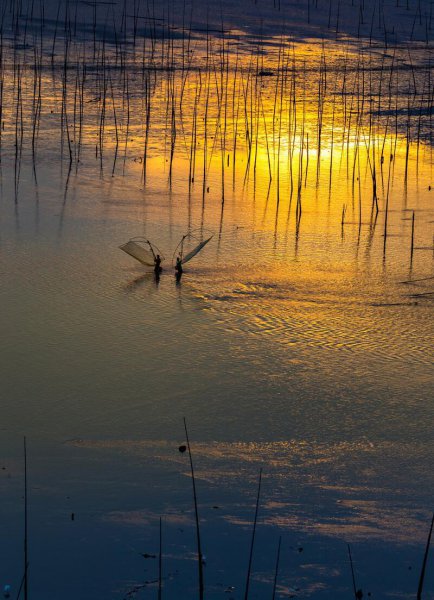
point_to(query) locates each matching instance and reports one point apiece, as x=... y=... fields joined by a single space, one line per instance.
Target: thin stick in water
x=160 y=562
x=249 y=568
x=26 y=562
x=425 y=558
x=277 y=569
x=199 y=548
x=352 y=573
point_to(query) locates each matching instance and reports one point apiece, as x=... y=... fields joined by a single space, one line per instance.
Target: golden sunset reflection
x=292 y=162
x=300 y=114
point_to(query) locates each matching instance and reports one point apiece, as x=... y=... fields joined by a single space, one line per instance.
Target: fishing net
x=137 y=251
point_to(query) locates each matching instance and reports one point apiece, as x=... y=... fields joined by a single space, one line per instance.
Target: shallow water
x=295 y=345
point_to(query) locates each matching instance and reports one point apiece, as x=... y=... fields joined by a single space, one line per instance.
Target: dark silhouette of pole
x=199 y=548
x=249 y=568
x=25 y=523
x=277 y=569
x=425 y=558
x=352 y=572
x=160 y=561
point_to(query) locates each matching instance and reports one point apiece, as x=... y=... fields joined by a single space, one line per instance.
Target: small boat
x=142 y=250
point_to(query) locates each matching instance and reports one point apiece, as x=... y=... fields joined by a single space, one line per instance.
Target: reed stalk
x=196 y=513
x=252 y=543
x=424 y=562
x=276 y=570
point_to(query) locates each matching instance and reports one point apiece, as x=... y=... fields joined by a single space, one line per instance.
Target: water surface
x=299 y=341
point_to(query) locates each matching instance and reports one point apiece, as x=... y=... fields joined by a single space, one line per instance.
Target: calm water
x=295 y=344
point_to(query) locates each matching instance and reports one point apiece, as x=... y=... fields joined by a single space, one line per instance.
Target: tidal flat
x=299 y=341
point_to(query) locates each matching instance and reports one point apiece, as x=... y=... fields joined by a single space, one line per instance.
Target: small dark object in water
x=178 y=268
x=215 y=507
x=300 y=549
x=72 y=516
x=182 y=448
x=146 y=555
x=359 y=594
x=157 y=264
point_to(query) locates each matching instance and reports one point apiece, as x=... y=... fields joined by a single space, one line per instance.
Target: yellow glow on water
x=299 y=339
x=301 y=140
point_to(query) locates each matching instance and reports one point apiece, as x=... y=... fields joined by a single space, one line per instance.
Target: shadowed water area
x=299 y=340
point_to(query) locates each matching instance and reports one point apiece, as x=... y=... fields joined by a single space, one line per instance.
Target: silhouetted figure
x=157 y=265
x=178 y=269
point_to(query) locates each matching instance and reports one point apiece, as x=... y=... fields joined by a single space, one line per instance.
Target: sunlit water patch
x=298 y=341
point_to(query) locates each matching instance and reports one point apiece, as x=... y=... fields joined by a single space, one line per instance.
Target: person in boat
x=178 y=267
x=157 y=264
